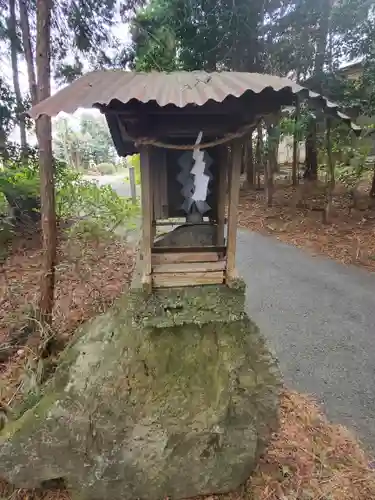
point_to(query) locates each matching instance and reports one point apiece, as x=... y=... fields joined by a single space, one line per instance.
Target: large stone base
x=174 y=395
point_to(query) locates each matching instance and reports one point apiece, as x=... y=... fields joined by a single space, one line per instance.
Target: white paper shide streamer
x=201 y=180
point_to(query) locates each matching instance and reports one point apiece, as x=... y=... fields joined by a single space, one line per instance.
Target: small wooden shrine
x=189 y=129
x=193 y=187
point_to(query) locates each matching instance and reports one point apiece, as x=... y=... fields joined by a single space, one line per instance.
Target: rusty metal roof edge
x=34 y=111
x=99 y=88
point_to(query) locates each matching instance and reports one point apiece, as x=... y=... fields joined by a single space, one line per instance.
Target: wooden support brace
x=189 y=267
x=168 y=280
x=170 y=258
x=234 y=192
x=147 y=216
x=222 y=193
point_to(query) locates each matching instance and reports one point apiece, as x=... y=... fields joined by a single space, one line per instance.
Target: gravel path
x=319 y=317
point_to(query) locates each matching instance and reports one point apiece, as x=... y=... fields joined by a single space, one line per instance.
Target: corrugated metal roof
x=178 y=88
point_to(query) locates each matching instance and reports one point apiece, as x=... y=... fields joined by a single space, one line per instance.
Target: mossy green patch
x=170 y=395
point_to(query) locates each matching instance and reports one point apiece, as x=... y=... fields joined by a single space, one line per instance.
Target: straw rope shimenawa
x=189 y=147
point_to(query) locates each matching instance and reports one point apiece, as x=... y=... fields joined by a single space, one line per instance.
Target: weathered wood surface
x=189 y=267
x=170 y=258
x=147 y=214
x=187 y=279
x=234 y=193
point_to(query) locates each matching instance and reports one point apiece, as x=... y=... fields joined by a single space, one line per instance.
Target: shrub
x=106 y=168
x=135 y=162
x=98 y=210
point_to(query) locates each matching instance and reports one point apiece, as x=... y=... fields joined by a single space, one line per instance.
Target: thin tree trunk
x=28 y=50
x=296 y=146
x=47 y=188
x=311 y=161
x=249 y=162
x=372 y=190
x=322 y=36
x=15 y=74
x=268 y=182
x=331 y=172
x=271 y=163
x=259 y=151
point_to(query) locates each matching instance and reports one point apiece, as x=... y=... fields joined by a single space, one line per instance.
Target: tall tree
x=44 y=134
x=14 y=51
x=28 y=48
x=8 y=106
x=202 y=34
x=324 y=8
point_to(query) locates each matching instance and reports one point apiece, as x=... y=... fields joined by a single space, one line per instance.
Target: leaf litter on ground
x=348 y=237
x=90 y=275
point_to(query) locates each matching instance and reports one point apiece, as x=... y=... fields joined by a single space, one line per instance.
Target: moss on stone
x=171 y=395
x=197 y=305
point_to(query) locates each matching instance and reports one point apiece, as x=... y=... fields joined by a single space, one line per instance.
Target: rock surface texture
x=174 y=395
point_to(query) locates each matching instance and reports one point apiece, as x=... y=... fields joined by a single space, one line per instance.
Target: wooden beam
x=147 y=215
x=189 y=267
x=234 y=191
x=169 y=258
x=211 y=248
x=180 y=223
x=221 y=193
x=187 y=279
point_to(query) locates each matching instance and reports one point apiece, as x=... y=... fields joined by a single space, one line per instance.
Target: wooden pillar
x=234 y=192
x=221 y=193
x=147 y=216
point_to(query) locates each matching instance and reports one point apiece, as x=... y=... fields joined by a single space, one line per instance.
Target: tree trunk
x=16 y=83
x=28 y=50
x=311 y=161
x=331 y=172
x=322 y=36
x=295 y=146
x=268 y=182
x=324 y=9
x=47 y=188
x=250 y=163
x=271 y=163
x=372 y=190
x=259 y=152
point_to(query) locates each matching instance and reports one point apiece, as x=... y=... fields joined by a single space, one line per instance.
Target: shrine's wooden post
x=234 y=191
x=147 y=216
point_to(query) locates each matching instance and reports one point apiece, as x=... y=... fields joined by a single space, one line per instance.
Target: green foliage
x=83 y=144
x=84 y=28
x=21 y=182
x=135 y=162
x=173 y=34
x=289 y=126
x=3 y=204
x=98 y=210
x=276 y=36
x=352 y=157
x=7 y=111
x=106 y=168
x=156 y=41
x=19 y=178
